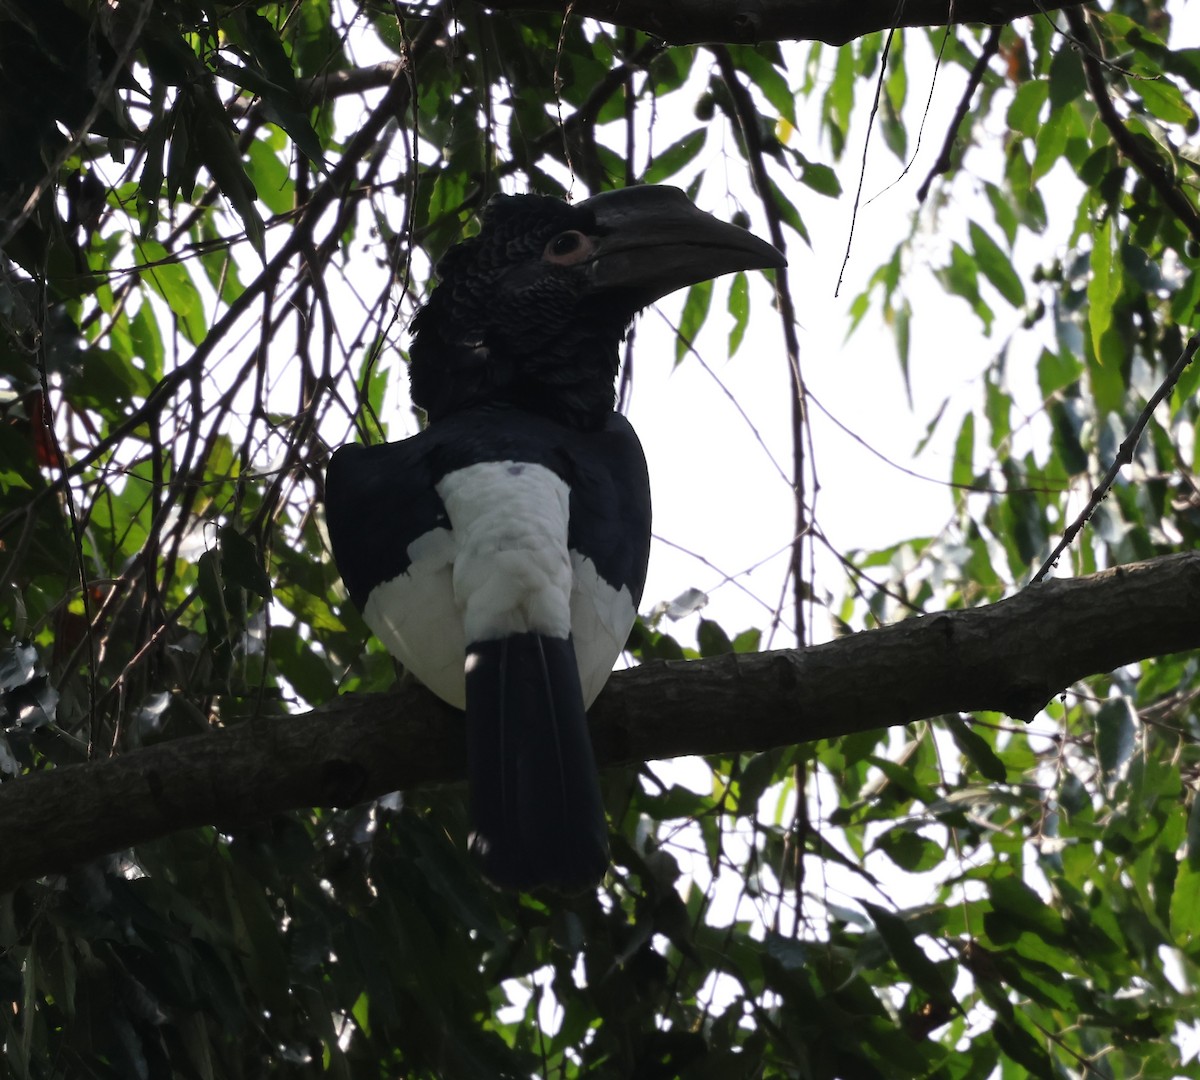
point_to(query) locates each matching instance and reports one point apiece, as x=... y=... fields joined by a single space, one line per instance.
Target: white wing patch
x=601 y=618
x=416 y=617
x=502 y=568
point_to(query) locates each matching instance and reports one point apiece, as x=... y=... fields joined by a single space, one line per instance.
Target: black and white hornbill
x=500 y=554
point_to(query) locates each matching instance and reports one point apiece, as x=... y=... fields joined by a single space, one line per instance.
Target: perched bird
x=500 y=554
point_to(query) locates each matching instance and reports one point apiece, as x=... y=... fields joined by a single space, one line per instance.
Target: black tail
x=535 y=797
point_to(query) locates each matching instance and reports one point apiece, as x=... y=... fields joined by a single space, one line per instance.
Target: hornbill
x=500 y=554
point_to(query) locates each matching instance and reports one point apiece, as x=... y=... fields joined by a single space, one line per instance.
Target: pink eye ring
x=569 y=248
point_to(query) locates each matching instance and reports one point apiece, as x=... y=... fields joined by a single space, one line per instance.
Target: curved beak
x=652 y=240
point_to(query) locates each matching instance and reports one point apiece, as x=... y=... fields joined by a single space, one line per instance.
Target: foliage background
x=214 y=229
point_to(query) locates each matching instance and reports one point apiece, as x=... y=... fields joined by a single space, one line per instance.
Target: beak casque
x=653 y=240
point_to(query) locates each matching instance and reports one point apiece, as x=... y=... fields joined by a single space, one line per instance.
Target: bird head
x=531 y=311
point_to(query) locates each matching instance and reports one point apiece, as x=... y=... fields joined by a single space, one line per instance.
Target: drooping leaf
x=996 y=266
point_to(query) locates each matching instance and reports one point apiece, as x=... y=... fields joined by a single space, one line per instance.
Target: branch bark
x=1010 y=657
x=683 y=22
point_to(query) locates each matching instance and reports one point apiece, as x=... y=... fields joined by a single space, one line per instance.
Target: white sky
x=715 y=488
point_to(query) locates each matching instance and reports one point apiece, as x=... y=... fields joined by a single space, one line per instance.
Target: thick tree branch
x=1011 y=657
x=836 y=22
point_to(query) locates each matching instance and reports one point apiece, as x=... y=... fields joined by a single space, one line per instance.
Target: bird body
x=450 y=545
x=500 y=554
x=450 y=549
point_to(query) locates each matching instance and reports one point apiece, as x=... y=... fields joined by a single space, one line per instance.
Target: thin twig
x=732 y=397
x=1124 y=455
x=46 y=419
x=933 y=81
x=943 y=164
x=862 y=171
x=746 y=115
x=982 y=489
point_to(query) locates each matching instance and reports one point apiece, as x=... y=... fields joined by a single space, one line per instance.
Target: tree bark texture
x=683 y=22
x=1010 y=657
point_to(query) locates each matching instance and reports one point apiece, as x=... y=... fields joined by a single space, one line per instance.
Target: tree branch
x=1145 y=161
x=1124 y=455
x=835 y=22
x=945 y=161
x=1010 y=657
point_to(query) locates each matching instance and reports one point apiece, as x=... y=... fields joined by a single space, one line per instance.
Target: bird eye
x=568 y=248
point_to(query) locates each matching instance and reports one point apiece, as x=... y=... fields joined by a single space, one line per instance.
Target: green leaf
x=1019 y=1045
x=839 y=99
x=212 y=595
x=1185 y=907
x=1185 y=303
x=276 y=83
x=1067 y=82
x=270 y=175
x=788 y=211
x=821 y=178
x=695 y=311
x=213 y=143
x=1104 y=285
x=739 y=309
x=960 y=277
x=997 y=407
x=748 y=641
x=150 y=182
x=1193 y=836
x=1105 y=380
x=909 y=850
x=931 y=428
x=1116 y=734
x=712 y=640
x=767 y=78
x=962 y=470
x=1015 y=902
x=902 y=331
x=976 y=750
x=183 y=163
x=675 y=157
x=1006 y=216
x=1026 y=107
x=996 y=266
x=1163 y=100
x=1025 y=526
x=296 y=661
x=1057 y=370
x=756 y=776
x=909 y=956
x=171 y=280
x=904 y=777
x=1050 y=144
x=241 y=564
x=1066 y=438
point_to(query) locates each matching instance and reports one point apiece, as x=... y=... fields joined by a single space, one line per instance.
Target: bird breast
x=512 y=570
x=502 y=567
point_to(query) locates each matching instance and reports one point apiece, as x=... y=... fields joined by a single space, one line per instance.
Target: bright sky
x=716 y=489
